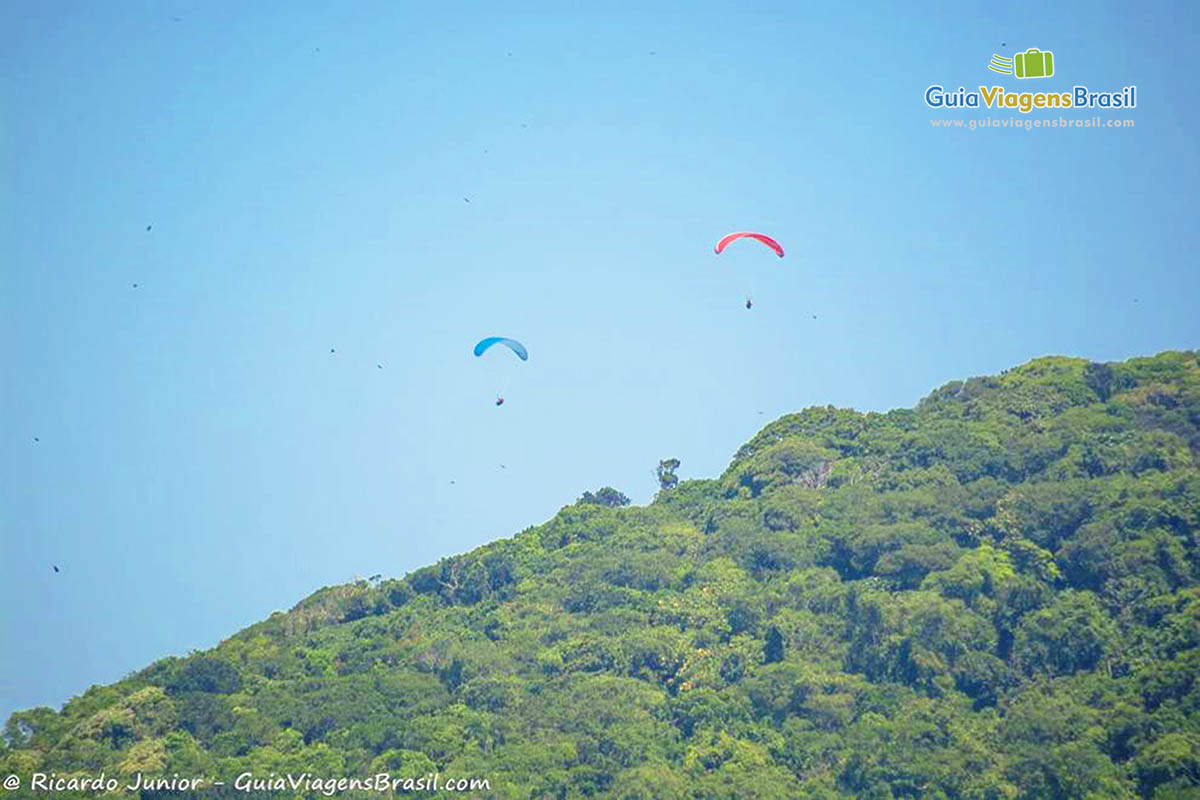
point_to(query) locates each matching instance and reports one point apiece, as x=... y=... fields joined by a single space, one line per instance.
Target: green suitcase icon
x=1034 y=63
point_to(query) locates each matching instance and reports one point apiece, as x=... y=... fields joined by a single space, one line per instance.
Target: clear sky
x=201 y=457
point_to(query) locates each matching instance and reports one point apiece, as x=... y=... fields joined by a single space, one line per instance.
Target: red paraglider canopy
x=762 y=237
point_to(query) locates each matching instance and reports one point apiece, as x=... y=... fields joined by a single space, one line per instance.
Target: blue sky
x=203 y=459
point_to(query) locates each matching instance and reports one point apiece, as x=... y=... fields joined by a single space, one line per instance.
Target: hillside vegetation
x=993 y=595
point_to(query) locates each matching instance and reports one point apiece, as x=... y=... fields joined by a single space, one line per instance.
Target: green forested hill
x=993 y=595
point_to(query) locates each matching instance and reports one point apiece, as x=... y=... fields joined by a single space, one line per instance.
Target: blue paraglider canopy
x=511 y=344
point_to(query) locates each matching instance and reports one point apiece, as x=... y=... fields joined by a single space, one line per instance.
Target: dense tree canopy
x=993 y=596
